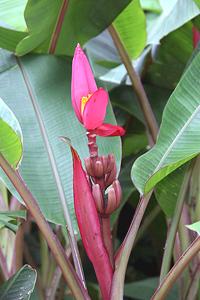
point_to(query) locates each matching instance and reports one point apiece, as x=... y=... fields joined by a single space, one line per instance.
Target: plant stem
x=4 y=266
x=122 y=256
x=174 y=226
x=58 y=27
x=149 y=117
x=92 y=145
x=4 y=192
x=45 y=261
x=177 y=270
x=107 y=237
x=71 y=236
x=19 y=246
x=51 y=291
x=69 y=274
x=194 y=284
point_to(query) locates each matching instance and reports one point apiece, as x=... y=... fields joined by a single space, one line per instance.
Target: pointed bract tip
x=66 y=140
x=78 y=49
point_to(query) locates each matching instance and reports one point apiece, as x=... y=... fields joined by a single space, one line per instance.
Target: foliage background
x=37 y=40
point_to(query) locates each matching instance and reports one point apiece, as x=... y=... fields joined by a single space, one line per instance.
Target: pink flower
x=89 y=227
x=90 y=102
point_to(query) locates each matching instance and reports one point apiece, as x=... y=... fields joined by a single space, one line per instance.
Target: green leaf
x=125 y=98
x=171 y=58
x=197 y=2
x=195 y=227
x=179 y=139
x=167 y=190
x=20 y=286
x=151 y=5
x=10 y=219
x=44 y=82
x=10 y=38
x=144 y=289
x=131 y=26
x=79 y=20
x=11 y=135
x=134 y=143
x=171 y=18
x=12 y=13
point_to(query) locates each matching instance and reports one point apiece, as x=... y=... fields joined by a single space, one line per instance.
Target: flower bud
x=110 y=177
x=114 y=197
x=98 y=169
x=118 y=191
x=88 y=166
x=111 y=162
x=97 y=195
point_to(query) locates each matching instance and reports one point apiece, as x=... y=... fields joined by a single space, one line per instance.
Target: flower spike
x=89 y=226
x=88 y=101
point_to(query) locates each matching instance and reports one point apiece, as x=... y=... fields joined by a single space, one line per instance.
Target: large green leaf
x=175 y=13
x=20 y=286
x=179 y=138
x=171 y=58
x=173 y=54
x=131 y=26
x=197 y=2
x=11 y=135
x=43 y=83
x=151 y=5
x=125 y=98
x=12 y=13
x=65 y=23
x=10 y=219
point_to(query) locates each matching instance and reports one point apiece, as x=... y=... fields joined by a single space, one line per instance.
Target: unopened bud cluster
x=102 y=171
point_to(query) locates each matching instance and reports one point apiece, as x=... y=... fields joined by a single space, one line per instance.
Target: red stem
x=58 y=27
x=107 y=237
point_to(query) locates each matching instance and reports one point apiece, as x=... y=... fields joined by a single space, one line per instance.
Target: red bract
x=90 y=102
x=89 y=226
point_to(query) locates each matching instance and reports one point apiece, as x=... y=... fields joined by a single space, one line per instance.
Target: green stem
x=4 y=192
x=174 y=226
x=124 y=251
x=137 y=85
x=69 y=274
x=177 y=270
x=45 y=261
x=19 y=246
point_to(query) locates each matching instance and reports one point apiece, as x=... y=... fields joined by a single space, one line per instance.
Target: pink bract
x=88 y=101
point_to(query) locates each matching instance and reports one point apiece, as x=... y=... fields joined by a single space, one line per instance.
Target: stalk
x=174 y=226
x=123 y=254
x=177 y=270
x=145 y=106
